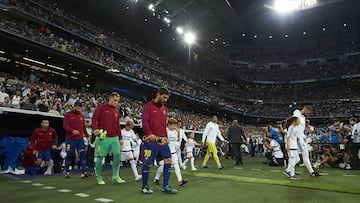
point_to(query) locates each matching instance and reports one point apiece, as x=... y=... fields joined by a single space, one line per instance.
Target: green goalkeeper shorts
x=106 y=146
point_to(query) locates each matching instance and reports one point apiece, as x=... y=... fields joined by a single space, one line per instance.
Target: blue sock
x=145 y=175
x=83 y=161
x=166 y=174
x=68 y=159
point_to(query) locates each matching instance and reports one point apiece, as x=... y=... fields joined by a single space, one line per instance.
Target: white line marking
x=349 y=175
x=238 y=168
x=104 y=200
x=324 y=174
x=82 y=195
x=256 y=169
x=37 y=184
x=275 y=170
x=49 y=187
x=26 y=181
x=64 y=190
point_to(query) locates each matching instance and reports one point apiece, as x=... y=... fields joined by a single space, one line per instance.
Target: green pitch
x=251 y=182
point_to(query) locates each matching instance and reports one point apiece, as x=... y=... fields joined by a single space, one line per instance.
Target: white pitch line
x=275 y=170
x=37 y=184
x=238 y=168
x=104 y=200
x=64 y=190
x=26 y=181
x=82 y=195
x=349 y=175
x=49 y=187
x=256 y=169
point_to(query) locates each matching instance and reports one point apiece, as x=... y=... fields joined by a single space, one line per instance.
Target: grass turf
x=252 y=182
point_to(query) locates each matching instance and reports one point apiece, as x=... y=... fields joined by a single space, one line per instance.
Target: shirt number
x=147 y=153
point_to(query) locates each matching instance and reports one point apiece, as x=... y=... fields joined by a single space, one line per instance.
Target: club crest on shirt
x=164 y=112
x=81 y=118
x=50 y=133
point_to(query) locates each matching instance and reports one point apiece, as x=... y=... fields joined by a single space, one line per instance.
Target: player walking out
x=106 y=125
x=155 y=140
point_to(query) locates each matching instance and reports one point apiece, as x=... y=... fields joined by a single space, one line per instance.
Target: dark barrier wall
x=22 y=124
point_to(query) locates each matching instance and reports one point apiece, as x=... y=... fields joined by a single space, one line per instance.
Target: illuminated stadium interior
x=255 y=61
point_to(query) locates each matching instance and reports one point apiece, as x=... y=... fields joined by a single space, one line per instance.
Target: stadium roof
x=238 y=22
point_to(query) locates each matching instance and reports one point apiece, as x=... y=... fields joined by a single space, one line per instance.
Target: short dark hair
x=45 y=119
x=163 y=90
x=79 y=104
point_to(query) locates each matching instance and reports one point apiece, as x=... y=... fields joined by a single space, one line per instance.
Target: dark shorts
x=151 y=151
x=44 y=155
x=72 y=144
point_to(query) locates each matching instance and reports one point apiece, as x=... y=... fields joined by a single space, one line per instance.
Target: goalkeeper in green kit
x=106 y=125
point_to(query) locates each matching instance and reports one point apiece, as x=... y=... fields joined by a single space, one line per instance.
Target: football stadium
x=179 y=101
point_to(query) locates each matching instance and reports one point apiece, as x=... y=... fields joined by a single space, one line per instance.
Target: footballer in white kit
x=173 y=135
x=302 y=146
x=129 y=137
x=190 y=145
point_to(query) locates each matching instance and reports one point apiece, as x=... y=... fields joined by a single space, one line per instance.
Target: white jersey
x=128 y=137
x=302 y=124
x=292 y=133
x=355 y=135
x=173 y=139
x=211 y=132
x=190 y=145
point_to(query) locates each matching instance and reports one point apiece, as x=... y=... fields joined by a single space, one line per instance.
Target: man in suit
x=236 y=137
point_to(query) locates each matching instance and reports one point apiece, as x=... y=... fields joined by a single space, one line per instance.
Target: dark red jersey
x=43 y=139
x=75 y=121
x=154 y=119
x=107 y=118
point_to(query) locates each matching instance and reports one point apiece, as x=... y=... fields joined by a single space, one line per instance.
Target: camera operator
x=274 y=155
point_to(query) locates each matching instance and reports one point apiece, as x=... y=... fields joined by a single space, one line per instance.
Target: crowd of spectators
x=149 y=67
x=319 y=70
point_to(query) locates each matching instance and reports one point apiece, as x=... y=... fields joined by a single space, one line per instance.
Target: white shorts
x=127 y=155
x=174 y=158
x=189 y=154
x=136 y=153
x=293 y=153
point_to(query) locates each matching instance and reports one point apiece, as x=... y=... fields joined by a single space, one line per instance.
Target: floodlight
x=167 y=20
x=284 y=6
x=151 y=6
x=189 y=38
x=179 y=30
